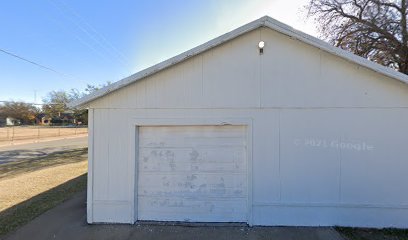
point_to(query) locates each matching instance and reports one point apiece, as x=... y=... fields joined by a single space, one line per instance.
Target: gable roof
x=265 y=21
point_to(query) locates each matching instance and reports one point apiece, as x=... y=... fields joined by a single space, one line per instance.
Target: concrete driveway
x=68 y=221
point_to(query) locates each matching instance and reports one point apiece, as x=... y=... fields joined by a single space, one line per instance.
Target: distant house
x=12 y=121
x=42 y=119
x=64 y=118
x=46 y=120
x=9 y=121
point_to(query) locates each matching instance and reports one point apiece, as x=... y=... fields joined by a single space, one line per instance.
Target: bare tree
x=374 y=29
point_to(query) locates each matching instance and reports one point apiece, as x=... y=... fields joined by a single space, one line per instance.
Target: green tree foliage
x=56 y=103
x=24 y=112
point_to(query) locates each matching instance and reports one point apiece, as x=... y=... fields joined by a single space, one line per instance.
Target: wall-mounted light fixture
x=261 y=46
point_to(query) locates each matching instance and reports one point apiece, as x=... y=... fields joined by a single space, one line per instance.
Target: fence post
x=8 y=135
x=38 y=132
x=12 y=134
x=59 y=131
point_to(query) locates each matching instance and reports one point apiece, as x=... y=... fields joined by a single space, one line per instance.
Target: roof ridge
x=265 y=21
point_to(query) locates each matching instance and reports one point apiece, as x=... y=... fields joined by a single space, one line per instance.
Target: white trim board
x=90 y=179
x=265 y=21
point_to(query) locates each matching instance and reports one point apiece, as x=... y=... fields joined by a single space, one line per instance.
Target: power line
x=108 y=50
x=38 y=104
x=71 y=20
x=29 y=61
x=119 y=54
x=38 y=64
x=77 y=36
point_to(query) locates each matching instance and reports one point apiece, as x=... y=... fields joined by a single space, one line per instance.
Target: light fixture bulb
x=261 y=44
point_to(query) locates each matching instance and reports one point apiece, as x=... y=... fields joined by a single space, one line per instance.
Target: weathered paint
x=192 y=173
x=328 y=137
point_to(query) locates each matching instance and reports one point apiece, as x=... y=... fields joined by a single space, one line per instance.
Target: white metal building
x=301 y=134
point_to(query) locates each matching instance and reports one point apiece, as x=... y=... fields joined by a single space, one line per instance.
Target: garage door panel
x=194 y=131
x=191 y=209
x=192 y=136
x=207 y=159
x=191 y=141
x=193 y=185
x=192 y=173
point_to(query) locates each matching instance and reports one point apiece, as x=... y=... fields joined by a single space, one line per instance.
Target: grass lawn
x=373 y=234
x=31 y=187
x=20 y=214
x=11 y=169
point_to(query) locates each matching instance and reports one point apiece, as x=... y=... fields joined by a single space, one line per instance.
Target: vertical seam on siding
x=320 y=66
x=202 y=77
x=340 y=173
x=260 y=71
x=92 y=167
x=279 y=155
x=109 y=134
x=136 y=150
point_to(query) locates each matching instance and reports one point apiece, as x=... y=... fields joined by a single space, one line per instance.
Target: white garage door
x=192 y=173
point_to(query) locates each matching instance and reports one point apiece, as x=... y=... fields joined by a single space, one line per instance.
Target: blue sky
x=98 y=41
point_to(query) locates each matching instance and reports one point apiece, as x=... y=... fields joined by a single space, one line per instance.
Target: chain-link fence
x=14 y=133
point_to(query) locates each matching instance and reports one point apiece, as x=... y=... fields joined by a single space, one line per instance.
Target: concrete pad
x=68 y=221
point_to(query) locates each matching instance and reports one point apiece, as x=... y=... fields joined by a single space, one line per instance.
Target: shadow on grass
x=49 y=160
x=22 y=213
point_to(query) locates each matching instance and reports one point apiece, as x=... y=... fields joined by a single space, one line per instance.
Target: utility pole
x=35 y=96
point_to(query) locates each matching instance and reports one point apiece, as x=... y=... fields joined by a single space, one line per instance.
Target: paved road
x=34 y=150
x=68 y=221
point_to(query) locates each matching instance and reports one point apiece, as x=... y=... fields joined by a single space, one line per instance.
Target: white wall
x=234 y=75
x=329 y=137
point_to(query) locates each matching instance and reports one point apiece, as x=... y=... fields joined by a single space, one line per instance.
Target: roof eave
x=320 y=44
x=264 y=21
x=169 y=62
